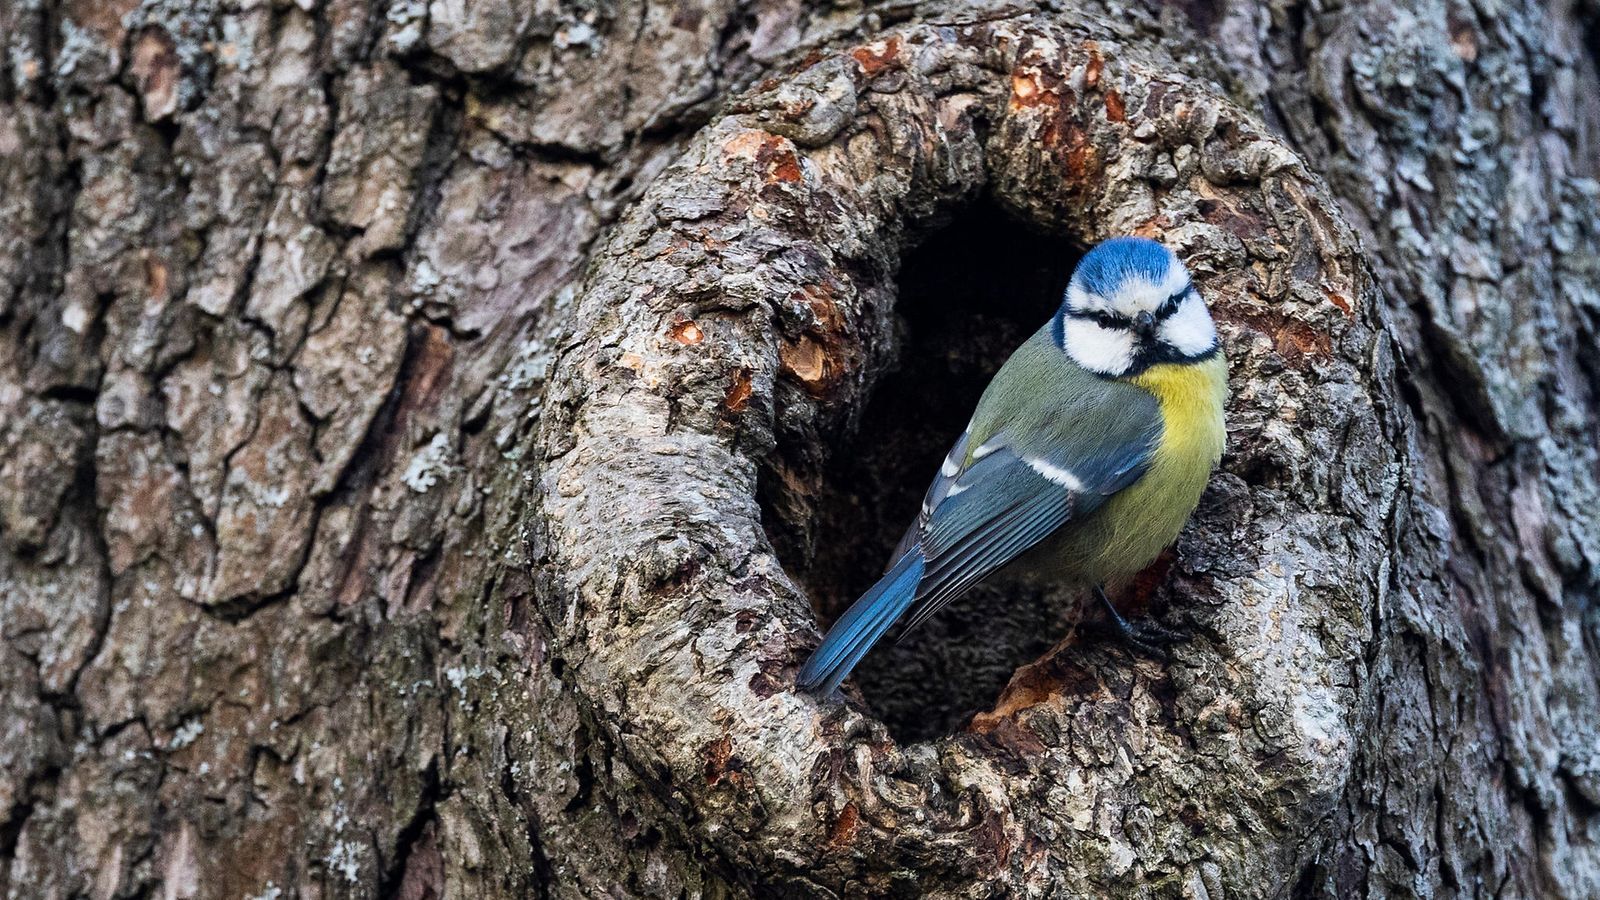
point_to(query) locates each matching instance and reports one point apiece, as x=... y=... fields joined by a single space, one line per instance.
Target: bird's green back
x=1042 y=400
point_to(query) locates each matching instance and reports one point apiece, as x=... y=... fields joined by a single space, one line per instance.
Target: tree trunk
x=432 y=432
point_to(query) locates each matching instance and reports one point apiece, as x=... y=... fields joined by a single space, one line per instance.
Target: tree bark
x=431 y=434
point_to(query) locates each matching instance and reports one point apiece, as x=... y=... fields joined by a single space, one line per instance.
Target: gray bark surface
x=430 y=434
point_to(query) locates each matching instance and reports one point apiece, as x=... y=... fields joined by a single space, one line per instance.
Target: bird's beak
x=1145 y=324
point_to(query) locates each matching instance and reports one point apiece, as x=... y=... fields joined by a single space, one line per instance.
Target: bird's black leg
x=1146 y=635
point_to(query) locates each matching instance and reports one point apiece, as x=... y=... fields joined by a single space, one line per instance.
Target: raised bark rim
x=673 y=389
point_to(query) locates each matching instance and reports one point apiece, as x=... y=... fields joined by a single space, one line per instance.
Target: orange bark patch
x=1068 y=138
x=1293 y=340
x=718 y=752
x=780 y=162
x=820 y=299
x=155 y=277
x=1091 y=73
x=738 y=396
x=1153 y=227
x=746 y=144
x=773 y=154
x=1081 y=157
x=1116 y=110
x=875 y=57
x=1016 y=740
x=1027 y=91
x=1033 y=684
x=805 y=360
x=686 y=332
x=1296 y=339
x=722 y=765
x=1339 y=300
x=820 y=356
x=844 y=828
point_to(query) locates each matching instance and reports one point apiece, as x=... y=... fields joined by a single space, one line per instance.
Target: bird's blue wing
x=989 y=504
x=1008 y=500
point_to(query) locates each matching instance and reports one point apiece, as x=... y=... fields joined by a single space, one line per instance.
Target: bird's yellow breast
x=1138 y=522
x=1191 y=398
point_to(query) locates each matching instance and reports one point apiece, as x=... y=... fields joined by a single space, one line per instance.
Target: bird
x=1083 y=459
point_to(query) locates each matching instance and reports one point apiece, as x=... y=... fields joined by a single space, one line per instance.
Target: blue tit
x=1085 y=456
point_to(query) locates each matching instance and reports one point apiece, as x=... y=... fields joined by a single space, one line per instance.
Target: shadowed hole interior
x=968 y=296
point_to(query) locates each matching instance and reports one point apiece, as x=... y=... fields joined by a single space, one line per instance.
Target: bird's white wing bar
x=951 y=467
x=989 y=446
x=1054 y=473
x=949 y=470
x=943 y=483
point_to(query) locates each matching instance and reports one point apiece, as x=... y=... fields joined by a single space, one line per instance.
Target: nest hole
x=968 y=296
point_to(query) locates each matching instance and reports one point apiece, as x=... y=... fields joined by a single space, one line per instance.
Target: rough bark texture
x=430 y=433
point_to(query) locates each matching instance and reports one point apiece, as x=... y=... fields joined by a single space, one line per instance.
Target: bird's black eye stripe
x=1171 y=304
x=1112 y=320
x=1103 y=319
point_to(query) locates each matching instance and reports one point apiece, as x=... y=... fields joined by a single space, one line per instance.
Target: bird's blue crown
x=1110 y=264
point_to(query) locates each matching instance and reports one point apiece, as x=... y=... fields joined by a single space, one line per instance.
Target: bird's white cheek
x=1189 y=330
x=1108 y=351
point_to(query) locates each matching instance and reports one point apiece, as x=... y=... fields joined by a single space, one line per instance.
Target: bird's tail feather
x=862 y=625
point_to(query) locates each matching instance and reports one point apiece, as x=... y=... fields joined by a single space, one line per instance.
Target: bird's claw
x=1146 y=636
